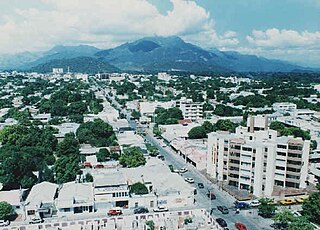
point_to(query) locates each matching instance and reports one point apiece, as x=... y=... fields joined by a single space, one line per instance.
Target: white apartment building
x=190 y=110
x=284 y=107
x=256 y=159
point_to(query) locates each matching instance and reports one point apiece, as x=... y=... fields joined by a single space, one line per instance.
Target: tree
x=5 y=210
x=69 y=146
x=284 y=217
x=89 y=177
x=225 y=125
x=132 y=157
x=208 y=126
x=168 y=116
x=103 y=155
x=266 y=209
x=197 y=133
x=150 y=223
x=135 y=114
x=311 y=207
x=139 y=189
x=67 y=168
x=96 y=133
x=300 y=223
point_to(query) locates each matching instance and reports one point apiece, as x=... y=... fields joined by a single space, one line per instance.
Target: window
x=247 y=149
x=31 y=212
x=282 y=146
x=281 y=154
x=294 y=147
x=280 y=167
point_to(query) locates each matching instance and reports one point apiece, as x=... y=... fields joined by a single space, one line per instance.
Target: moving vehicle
x=287 y=201
x=223 y=209
x=200 y=185
x=222 y=222
x=183 y=170
x=189 y=180
x=211 y=195
x=254 y=203
x=240 y=226
x=115 y=212
x=140 y=210
x=35 y=220
x=161 y=209
x=4 y=223
x=241 y=205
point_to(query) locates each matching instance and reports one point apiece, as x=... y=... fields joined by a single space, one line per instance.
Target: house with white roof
x=75 y=198
x=40 y=201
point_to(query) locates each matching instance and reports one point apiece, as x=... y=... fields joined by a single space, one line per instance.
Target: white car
x=36 y=220
x=183 y=170
x=176 y=171
x=254 y=203
x=189 y=180
x=161 y=209
x=4 y=223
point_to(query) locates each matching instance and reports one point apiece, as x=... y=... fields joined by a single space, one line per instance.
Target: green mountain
x=78 y=64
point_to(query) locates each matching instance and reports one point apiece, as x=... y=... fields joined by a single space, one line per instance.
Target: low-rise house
x=40 y=201
x=13 y=197
x=75 y=198
x=110 y=190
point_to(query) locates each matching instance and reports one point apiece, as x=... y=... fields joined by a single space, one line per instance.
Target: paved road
x=248 y=217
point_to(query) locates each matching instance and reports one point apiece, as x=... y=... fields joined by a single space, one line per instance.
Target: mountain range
x=150 y=54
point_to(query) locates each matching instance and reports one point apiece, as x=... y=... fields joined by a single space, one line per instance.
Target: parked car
x=241 y=205
x=161 y=209
x=36 y=220
x=176 y=171
x=140 y=210
x=223 y=209
x=115 y=212
x=189 y=180
x=4 y=223
x=161 y=157
x=183 y=170
x=211 y=195
x=300 y=200
x=200 y=185
x=222 y=222
x=240 y=226
x=287 y=201
x=254 y=203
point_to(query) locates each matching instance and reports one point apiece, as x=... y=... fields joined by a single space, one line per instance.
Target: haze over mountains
x=150 y=54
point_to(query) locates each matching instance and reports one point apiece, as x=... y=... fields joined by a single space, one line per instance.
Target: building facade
x=190 y=110
x=256 y=159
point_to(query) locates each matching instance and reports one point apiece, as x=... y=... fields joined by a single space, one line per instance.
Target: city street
x=249 y=217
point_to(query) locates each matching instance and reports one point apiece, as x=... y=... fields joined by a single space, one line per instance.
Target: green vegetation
x=153 y=151
x=168 y=116
x=150 y=224
x=266 y=208
x=139 y=189
x=24 y=150
x=96 y=133
x=286 y=131
x=132 y=157
x=197 y=133
x=67 y=166
x=225 y=125
x=135 y=114
x=89 y=177
x=5 y=210
x=227 y=111
x=311 y=207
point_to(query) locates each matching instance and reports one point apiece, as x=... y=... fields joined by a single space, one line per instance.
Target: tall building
x=256 y=159
x=190 y=110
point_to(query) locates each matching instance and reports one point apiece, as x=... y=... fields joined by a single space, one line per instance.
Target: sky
x=278 y=29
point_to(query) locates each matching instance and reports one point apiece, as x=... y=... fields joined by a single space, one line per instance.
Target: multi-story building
x=190 y=110
x=256 y=159
x=284 y=107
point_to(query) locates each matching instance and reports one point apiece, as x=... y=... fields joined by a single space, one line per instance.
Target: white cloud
x=284 y=38
x=105 y=24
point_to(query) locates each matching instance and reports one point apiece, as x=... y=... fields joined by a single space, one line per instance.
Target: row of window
x=119 y=194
